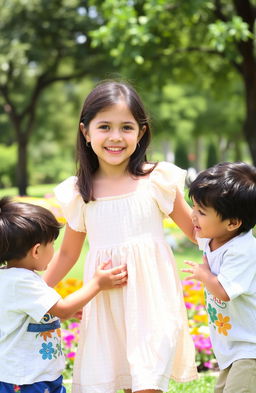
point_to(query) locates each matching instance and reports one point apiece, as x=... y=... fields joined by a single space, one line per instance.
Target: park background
x=193 y=62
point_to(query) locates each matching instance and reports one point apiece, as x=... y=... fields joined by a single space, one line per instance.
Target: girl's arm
x=181 y=215
x=65 y=258
x=103 y=279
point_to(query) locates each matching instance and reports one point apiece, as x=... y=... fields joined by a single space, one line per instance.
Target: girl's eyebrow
x=109 y=122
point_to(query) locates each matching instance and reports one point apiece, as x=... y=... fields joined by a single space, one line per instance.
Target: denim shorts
x=37 y=387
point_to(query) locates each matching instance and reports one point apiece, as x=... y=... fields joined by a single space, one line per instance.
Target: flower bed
x=198 y=323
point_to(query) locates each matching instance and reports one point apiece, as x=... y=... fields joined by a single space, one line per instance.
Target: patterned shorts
x=37 y=387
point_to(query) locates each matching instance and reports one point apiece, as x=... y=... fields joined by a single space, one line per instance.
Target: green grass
x=77 y=270
x=205 y=384
x=33 y=191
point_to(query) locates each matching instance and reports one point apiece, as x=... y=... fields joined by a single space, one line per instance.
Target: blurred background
x=193 y=62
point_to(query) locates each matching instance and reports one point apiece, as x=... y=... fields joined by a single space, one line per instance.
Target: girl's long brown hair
x=106 y=94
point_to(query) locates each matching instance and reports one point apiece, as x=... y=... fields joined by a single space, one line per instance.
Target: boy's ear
x=84 y=132
x=234 y=224
x=35 y=250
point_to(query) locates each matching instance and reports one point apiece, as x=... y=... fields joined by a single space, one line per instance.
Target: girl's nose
x=115 y=135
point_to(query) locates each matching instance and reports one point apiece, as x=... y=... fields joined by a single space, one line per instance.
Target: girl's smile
x=114 y=150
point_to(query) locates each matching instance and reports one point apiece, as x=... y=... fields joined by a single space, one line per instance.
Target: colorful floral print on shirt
x=216 y=318
x=48 y=328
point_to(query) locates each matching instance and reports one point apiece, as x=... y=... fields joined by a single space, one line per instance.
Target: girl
x=134 y=337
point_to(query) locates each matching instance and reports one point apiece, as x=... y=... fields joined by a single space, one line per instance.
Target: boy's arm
x=103 y=279
x=202 y=272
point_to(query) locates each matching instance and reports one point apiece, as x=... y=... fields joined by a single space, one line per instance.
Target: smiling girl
x=134 y=338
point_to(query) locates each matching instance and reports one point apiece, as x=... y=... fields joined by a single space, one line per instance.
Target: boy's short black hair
x=22 y=225
x=230 y=189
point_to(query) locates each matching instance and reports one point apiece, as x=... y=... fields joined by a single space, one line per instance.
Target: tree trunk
x=250 y=118
x=22 y=171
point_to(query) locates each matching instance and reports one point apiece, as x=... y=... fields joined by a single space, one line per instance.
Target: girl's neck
x=112 y=171
x=103 y=174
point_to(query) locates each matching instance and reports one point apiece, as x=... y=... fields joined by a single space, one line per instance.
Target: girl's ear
x=141 y=132
x=234 y=224
x=85 y=133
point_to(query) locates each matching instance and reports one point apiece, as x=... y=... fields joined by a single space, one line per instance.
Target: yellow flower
x=223 y=324
x=194 y=330
x=67 y=286
x=168 y=223
x=201 y=318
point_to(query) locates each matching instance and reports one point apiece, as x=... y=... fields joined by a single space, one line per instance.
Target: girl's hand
x=198 y=271
x=111 y=278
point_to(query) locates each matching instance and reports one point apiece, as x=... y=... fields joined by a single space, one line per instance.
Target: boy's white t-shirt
x=30 y=338
x=233 y=323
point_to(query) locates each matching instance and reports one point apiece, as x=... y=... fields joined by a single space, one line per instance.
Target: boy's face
x=208 y=224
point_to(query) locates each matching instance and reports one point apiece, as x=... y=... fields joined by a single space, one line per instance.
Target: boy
x=224 y=213
x=31 y=358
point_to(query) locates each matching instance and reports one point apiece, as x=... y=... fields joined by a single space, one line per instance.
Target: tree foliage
x=183 y=41
x=42 y=42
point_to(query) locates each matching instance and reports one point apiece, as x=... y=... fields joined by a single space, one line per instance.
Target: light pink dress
x=137 y=336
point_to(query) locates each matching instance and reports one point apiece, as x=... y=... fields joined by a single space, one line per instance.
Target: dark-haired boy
x=224 y=213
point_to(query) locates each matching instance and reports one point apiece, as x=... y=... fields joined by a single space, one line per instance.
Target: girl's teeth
x=114 y=148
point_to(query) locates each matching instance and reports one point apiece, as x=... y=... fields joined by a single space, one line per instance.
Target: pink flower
x=68 y=339
x=71 y=355
x=74 y=325
x=208 y=364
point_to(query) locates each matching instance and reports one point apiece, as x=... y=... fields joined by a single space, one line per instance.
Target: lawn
x=205 y=384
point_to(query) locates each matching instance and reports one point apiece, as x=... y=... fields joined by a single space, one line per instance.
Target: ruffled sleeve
x=165 y=179
x=72 y=204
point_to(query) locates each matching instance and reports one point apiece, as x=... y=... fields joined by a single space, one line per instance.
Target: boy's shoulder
x=245 y=242
x=13 y=275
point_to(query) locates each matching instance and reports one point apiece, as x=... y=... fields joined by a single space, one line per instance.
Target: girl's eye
x=127 y=128
x=104 y=127
x=200 y=212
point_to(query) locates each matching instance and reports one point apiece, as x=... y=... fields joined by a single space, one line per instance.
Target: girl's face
x=113 y=134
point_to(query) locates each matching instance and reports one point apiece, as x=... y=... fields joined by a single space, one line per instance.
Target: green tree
x=181 y=155
x=212 y=157
x=42 y=43
x=186 y=41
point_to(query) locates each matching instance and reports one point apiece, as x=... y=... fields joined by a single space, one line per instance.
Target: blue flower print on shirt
x=47 y=351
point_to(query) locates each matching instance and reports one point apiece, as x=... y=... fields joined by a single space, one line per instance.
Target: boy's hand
x=111 y=278
x=198 y=271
